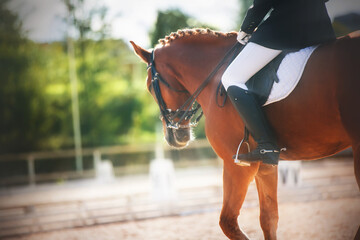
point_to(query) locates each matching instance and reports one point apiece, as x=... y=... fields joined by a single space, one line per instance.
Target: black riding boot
x=250 y=111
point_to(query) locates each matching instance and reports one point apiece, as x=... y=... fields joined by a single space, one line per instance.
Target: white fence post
x=97 y=160
x=31 y=170
x=290 y=173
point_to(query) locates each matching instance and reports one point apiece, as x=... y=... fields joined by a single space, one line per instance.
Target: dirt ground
x=336 y=219
x=324 y=205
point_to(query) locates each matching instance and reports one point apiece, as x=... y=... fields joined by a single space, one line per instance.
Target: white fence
x=96 y=154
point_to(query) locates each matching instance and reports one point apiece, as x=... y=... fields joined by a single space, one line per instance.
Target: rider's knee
x=228 y=79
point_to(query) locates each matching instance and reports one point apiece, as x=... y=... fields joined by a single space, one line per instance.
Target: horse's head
x=170 y=95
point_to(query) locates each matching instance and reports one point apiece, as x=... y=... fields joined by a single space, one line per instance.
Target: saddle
x=261 y=83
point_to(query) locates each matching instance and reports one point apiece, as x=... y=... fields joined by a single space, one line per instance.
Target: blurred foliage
x=244 y=6
x=170 y=21
x=22 y=102
x=35 y=99
x=82 y=19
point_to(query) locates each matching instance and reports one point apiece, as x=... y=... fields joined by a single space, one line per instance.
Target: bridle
x=184 y=113
x=190 y=107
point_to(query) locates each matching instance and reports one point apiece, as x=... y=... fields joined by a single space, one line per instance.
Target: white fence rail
x=95 y=153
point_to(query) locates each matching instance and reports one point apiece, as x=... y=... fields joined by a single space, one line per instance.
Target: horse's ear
x=142 y=53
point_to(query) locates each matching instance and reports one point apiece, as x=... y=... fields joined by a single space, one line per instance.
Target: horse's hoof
x=242 y=163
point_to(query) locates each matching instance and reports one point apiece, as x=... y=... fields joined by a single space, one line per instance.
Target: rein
x=186 y=111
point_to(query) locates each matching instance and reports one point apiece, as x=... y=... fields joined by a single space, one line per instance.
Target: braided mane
x=190 y=33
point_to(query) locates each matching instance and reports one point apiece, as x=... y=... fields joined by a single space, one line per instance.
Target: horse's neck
x=199 y=68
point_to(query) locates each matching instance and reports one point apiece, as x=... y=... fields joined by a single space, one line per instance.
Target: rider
x=291 y=25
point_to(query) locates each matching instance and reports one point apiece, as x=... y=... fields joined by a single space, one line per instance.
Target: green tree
x=170 y=21
x=110 y=102
x=22 y=103
x=244 y=6
x=52 y=73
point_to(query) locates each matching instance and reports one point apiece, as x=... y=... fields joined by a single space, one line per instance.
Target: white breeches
x=249 y=61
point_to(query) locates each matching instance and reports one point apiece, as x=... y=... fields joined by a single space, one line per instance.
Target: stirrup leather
x=264 y=151
x=247 y=163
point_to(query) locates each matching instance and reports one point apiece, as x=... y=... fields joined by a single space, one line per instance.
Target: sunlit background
x=80 y=139
x=133 y=20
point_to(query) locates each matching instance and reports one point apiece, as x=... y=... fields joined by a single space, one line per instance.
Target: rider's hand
x=243 y=37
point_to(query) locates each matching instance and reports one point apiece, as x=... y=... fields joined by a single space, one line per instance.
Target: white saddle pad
x=289 y=73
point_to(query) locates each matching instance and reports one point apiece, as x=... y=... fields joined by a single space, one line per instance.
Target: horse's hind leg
x=356 y=153
x=236 y=181
x=266 y=182
x=354 y=132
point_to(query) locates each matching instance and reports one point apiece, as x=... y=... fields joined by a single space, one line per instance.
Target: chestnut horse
x=319 y=118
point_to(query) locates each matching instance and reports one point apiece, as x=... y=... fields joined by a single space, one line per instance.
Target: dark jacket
x=292 y=24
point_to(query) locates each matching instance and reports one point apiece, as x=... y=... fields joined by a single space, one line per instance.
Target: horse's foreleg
x=236 y=181
x=266 y=183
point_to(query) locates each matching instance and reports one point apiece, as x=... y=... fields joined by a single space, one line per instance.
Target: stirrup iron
x=236 y=160
x=244 y=140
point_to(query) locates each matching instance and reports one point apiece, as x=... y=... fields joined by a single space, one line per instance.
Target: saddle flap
x=261 y=83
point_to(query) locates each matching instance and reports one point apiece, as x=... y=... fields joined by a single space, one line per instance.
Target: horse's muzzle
x=178 y=138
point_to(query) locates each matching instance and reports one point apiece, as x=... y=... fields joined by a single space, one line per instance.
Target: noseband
x=190 y=107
